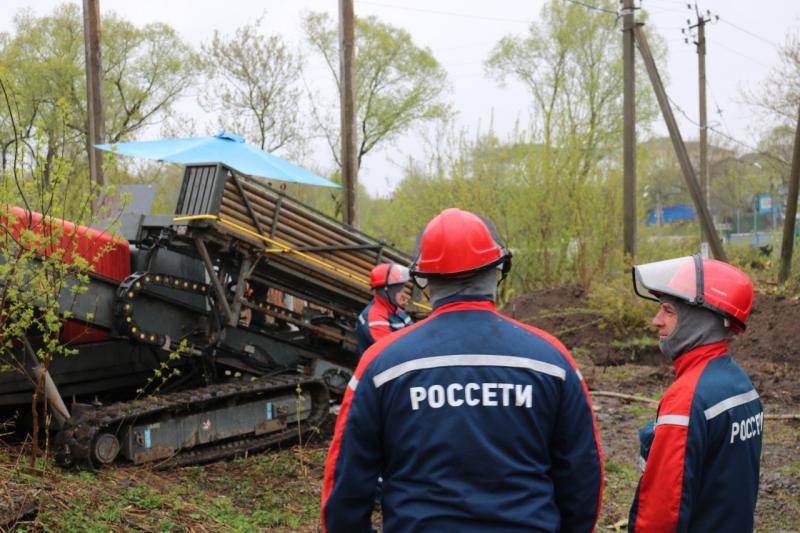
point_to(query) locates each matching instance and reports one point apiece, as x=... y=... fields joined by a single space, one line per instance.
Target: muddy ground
x=280 y=490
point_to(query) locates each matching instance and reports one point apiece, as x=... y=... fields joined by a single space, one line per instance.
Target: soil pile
x=770 y=349
x=564 y=312
x=773 y=332
x=561 y=311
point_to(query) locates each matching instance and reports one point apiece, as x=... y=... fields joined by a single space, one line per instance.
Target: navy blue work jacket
x=476 y=422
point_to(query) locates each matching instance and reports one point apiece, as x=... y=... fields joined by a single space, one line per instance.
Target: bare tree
x=398 y=84
x=255 y=87
x=779 y=95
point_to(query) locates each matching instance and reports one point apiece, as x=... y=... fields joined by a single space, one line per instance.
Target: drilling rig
x=246 y=297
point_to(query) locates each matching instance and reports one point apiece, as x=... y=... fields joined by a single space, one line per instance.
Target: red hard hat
x=457 y=243
x=708 y=283
x=387 y=274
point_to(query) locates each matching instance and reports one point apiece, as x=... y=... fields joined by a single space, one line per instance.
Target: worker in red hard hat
x=475 y=421
x=700 y=457
x=384 y=314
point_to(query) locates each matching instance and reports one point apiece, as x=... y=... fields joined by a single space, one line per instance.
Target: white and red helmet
x=388 y=274
x=715 y=285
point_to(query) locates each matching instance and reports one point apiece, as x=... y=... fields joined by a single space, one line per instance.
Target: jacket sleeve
x=354 y=460
x=379 y=327
x=669 y=483
x=577 y=458
x=363 y=336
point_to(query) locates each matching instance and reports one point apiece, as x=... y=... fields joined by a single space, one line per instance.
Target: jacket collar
x=698 y=356
x=383 y=302
x=463 y=298
x=464 y=303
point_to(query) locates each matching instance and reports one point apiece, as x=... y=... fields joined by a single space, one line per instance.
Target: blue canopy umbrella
x=223 y=147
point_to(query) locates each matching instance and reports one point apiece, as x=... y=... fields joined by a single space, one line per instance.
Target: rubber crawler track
x=74 y=443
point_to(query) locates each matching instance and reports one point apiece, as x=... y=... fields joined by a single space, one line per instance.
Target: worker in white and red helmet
x=384 y=314
x=475 y=421
x=700 y=457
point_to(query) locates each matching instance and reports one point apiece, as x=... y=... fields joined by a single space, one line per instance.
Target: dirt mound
x=770 y=348
x=773 y=332
x=563 y=312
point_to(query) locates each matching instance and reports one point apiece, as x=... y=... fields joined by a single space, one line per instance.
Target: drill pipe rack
x=290 y=246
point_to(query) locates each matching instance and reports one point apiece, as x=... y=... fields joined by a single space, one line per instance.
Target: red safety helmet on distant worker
x=388 y=274
x=457 y=244
x=708 y=283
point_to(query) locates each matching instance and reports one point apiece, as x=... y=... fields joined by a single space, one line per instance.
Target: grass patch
x=276 y=491
x=633 y=347
x=780 y=432
x=643 y=412
x=620 y=310
x=618 y=373
x=621 y=480
x=791 y=469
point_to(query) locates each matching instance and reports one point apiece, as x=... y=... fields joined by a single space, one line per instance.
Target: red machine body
x=109 y=257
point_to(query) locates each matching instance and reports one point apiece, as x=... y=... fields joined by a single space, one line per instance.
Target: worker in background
x=245 y=313
x=476 y=422
x=700 y=457
x=384 y=314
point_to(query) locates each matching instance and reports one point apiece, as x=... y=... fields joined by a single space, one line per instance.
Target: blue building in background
x=672 y=213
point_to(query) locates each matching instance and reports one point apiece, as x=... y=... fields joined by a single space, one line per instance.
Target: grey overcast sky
x=742 y=47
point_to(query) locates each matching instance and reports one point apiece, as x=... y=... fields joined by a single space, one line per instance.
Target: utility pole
x=94 y=91
x=700 y=43
x=629 y=129
x=348 y=112
x=787 y=247
x=679 y=146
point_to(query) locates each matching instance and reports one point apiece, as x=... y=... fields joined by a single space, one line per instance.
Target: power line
x=595 y=8
x=668 y=7
x=719 y=111
x=748 y=32
x=725 y=135
x=659 y=9
x=447 y=13
x=749 y=147
x=731 y=24
x=696 y=123
x=754 y=60
x=674 y=2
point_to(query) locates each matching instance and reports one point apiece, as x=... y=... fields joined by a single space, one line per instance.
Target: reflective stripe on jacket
x=701 y=456
x=476 y=423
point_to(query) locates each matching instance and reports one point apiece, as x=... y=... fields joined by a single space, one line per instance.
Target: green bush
x=624 y=313
x=758 y=262
x=657 y=244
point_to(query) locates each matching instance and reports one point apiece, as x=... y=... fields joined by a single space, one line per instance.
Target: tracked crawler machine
x=245 y=297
